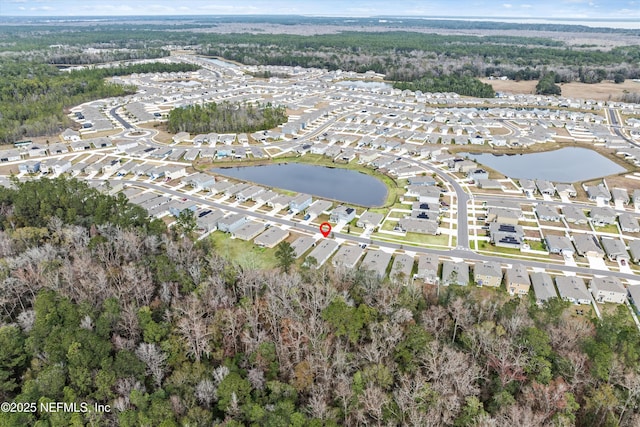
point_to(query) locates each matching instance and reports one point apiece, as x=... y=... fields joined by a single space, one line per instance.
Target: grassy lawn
x=536 y=246
x=242 y=252
x=612 y=228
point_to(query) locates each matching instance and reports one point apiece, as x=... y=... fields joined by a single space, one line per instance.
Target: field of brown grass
x=599 y=91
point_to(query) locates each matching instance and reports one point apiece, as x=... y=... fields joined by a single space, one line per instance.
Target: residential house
x=301 y=245
x=620 y=195
x=174 y=172
x=455 y=273
x=31 y=166
x=506 y=235
x=232 y=222
x=272 y=237
x=559 y=244
x=201 y=181
x=634 y=249
x=422 y=180
x=503 y=215
x=478 y=174
x=574 y=215
x=300 y=202
x=417 y=225
x=428 y=268
x=248 y=231
x=517 y=280
x=424 y=193
x=598 y=193
x=528 y=186
x=636 y=199
x=573 y=289
x=370 y=220
x=347 y=256
x=545 y=187
x=543 y=287
x=323 y=251
x=615 y=249
x=587 y=245
x=608 y=289
x=628 y=223
x=601 y=216
x=376 y=261
x=342 y=213
x=567 y=189
x=401 y=268
x=547 y=213
x=488 y=273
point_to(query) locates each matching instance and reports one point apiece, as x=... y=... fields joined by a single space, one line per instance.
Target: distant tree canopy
x=226 y=117
x=462 y=85
x=33 y=96
x=35 y=203
x=547 y=85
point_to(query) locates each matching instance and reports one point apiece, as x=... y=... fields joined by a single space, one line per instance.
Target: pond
x=343 y=185
x=571 y=164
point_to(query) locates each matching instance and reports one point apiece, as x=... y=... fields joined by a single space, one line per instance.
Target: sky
x=555 y=9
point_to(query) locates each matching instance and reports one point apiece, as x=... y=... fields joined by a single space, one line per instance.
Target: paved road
x=617 y=128
x=116 y=116
x=455 y=253
x=461 y=196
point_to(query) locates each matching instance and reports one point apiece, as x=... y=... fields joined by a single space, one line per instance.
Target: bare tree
x=155 y=359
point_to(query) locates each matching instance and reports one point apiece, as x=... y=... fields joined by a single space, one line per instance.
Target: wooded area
x=169 y=333
x=34 y=97
x=226 y=117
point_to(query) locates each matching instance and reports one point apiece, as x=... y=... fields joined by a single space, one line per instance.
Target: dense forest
x=167 y=332
x=34 y=97
x=462 y=85
x=225 y=117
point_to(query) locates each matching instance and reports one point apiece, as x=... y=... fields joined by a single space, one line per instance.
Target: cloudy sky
x=556 y=9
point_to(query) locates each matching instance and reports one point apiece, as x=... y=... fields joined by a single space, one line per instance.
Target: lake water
x=571 y=164
x=332 y=183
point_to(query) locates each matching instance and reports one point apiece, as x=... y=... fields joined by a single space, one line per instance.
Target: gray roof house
x=428 y=268
x=318 y=207
x=376 y=261
x=601 y=216
x=568 y=189
x=506 y=235
x=559 y=244
x=248 y=231
x=545 y=187
x=614 y=248
x=543 y=287
x=231 y=223
x=573 y=289
x=300 y=202
x=342 y=213
x=547 y=213
x=628 y=223
x=271 y=237
x=488 y=273
x=422 y=226
x=634 y=249
x=201 y=181
x=402 y=267
x=636 y=199
x=620 y=195
x=323 y=251
x=455 y=273
x=574 y=215
x=608 y=289
x=587 y=245
x=598 y=193
x=302 y=244
x=347 y=256
x=634 y=296
x=370 y=219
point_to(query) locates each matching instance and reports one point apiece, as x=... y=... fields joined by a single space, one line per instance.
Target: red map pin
x=325 y=229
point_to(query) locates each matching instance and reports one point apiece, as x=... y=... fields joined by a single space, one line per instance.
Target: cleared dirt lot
x=600 y=91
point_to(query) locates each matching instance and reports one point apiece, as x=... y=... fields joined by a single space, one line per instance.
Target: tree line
x=226 y=117
x=167 y=332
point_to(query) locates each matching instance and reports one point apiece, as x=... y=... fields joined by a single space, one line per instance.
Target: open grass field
x=604 y=91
